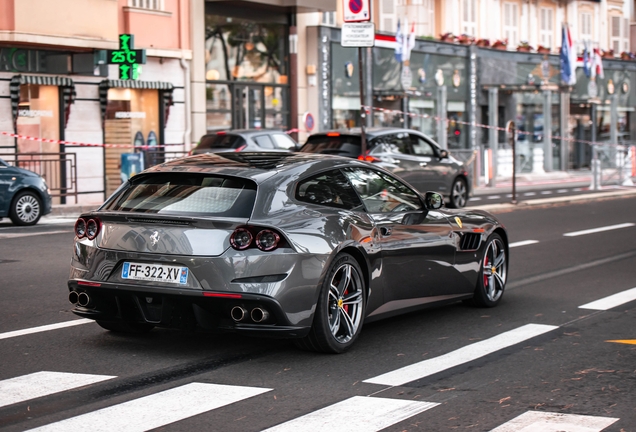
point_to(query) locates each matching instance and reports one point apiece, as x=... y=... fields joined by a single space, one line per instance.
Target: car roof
x=257 y=166
x=372 y=131
x=246 y=132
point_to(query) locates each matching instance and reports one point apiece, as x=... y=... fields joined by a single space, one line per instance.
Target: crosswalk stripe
x=45 y=328
x=156 y=410
x=356 y=414
x=612 y=301
x=597 y=230
x=523 y=243
x=546 y=421
x=460 y=356
x=44 y=383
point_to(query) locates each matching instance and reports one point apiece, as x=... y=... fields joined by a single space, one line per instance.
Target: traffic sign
x=356 y=10
x=358 y=34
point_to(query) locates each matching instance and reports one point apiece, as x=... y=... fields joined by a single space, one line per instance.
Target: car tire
x=125 y=327
x=491 y=281
x=26 y=209
x=459 y=193
x=340 y=308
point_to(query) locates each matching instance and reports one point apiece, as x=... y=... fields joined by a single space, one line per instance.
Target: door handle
x=386 y=231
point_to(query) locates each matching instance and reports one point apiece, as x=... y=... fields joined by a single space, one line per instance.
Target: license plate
x=155 y=273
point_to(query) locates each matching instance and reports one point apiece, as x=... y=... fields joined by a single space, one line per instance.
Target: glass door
x=247 y=107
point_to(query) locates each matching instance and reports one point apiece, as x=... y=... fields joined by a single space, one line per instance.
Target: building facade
x=56 y=84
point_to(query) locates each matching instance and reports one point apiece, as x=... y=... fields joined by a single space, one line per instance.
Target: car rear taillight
x=80 y=228
x=368 y=158
x=333 y=134
x=267 y=240
x=241 y=239
x=93 y=226
x=264 y=239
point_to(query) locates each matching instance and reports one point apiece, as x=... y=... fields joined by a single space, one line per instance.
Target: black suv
x=408 y=153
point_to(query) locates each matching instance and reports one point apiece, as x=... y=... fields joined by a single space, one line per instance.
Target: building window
x=147 y=4
x=510 y=23
x=469 y=17
x=619 y=34
x=585 y=26
x=329 y=19
x=626 y=34
x=387 y=16
x=546 y=29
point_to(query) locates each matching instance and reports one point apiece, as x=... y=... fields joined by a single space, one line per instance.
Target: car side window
x=264 y=141
x=382 y=193
x=421 y=147
x=331 y=189
x=283 y=141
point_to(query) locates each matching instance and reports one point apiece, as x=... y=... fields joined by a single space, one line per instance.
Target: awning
x=68 y=91
x=165 y=87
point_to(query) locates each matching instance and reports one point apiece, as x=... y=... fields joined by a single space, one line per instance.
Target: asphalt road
x=449 y=368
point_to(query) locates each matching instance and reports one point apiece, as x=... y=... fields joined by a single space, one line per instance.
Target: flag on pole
x=597 y=65
x=409 y=42
x=568 y=57
x=587 y=61
x=399 y=42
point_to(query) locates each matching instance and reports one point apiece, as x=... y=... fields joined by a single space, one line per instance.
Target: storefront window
x=530 y=121
x=38 y=116
x=245 y=50
x=219 y=107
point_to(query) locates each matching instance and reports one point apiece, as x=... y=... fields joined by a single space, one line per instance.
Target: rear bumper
x=181 y=309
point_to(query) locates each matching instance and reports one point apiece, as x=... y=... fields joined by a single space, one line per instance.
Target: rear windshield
x=187 y=194
x=341 y=145
x=220 y=141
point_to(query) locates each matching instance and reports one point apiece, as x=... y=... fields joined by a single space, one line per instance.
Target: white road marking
x=356 y=414
x=562 y=191
x=460 y=356
x=577 y=189
x=530 y=193
x=35 y=385
x=31 y=234
x=597 y=230
x=554 y=422
x=612 y=301
x=523 y=243
x=43 y=328
x=494 y=197
x=158 y=409
x=546 y=193
x=475 y=199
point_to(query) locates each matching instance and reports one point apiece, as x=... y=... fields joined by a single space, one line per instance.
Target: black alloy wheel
x=491 y=281
x=26 y=209
x=340 y=309
x=459 y=193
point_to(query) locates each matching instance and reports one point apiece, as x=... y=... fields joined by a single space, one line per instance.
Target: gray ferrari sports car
x=303 y=246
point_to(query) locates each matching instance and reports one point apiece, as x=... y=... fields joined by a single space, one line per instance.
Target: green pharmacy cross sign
x=128 y=58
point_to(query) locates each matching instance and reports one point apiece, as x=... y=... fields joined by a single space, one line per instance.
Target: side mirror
x=443 y=154
x=433 y=201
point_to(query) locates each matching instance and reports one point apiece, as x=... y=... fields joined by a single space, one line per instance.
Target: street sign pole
x=363 y=109
x=511 y=128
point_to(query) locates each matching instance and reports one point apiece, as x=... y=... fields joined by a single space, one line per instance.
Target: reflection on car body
x=279 y=244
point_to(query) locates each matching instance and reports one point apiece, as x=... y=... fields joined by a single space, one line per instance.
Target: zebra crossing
x=356 y=414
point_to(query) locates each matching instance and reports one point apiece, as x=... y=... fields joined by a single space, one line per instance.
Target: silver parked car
x=279 y=244
x=245 y=140
x=407 y=153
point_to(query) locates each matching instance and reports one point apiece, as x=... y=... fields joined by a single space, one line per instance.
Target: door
x=437 y=174
x=6 y=174
x=248 y=108
x=394 y=150
x=417 y=247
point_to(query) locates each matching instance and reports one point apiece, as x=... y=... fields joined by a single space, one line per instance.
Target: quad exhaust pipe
x=83 y=299
x=73 y=297
x=239 y=314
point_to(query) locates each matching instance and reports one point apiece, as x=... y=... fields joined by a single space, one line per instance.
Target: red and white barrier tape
x=75 y=143
x=484 y=126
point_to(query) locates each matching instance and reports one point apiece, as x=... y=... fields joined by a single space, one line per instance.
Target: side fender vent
x=469 y=241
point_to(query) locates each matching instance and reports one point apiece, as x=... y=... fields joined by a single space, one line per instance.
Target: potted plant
x=524 y=46
x=465 y=39
x=627 y=56
x=482 y=43
x=500 y=44
x=609 y=54
x=543 y=49
x=447 y=37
